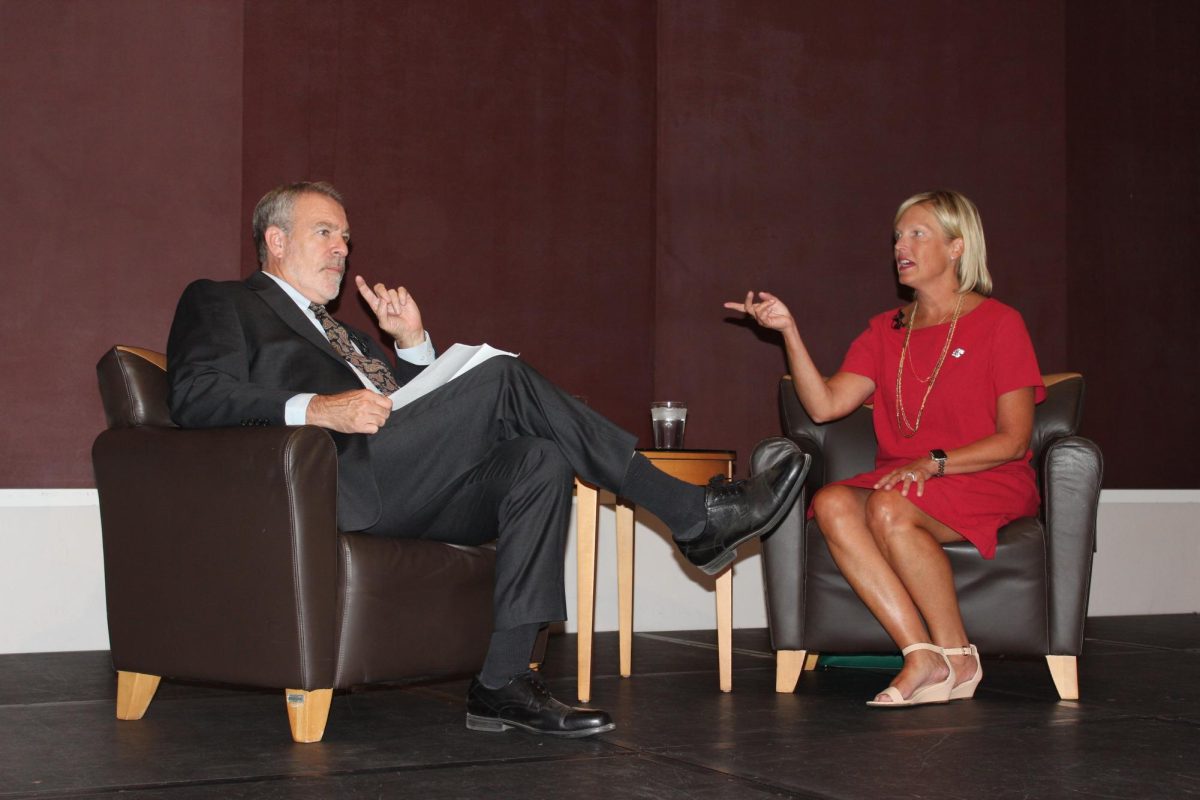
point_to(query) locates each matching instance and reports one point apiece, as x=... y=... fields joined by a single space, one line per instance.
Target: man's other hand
x=358 y=411
x=396 y=312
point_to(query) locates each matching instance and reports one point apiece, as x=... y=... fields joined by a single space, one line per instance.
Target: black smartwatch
x=940 y=457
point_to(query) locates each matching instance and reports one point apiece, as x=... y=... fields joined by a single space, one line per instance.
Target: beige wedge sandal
x=933 y=693
x=966 y=689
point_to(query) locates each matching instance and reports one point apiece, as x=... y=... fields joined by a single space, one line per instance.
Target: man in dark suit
x=491 y=455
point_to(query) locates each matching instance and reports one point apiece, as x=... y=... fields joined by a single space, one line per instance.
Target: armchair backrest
x=133 y=387
x=847 y=446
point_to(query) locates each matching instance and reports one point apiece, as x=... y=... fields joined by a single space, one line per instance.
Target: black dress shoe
x=525 y=702
x=740 y=510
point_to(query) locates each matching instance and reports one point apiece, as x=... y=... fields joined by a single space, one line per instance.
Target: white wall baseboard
x=52 y=577
x=1150 y=496
x=51 y=572
x=47 y=498
x=1147 y=553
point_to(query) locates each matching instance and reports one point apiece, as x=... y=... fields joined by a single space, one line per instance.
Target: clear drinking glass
x=668 y=418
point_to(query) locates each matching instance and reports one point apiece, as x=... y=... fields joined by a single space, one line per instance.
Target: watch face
x=937 y=455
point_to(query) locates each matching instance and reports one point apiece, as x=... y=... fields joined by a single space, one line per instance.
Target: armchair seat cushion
x=1003 y=601
x=397 y=597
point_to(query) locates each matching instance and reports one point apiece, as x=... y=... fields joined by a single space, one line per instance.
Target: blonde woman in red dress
x=953 y=379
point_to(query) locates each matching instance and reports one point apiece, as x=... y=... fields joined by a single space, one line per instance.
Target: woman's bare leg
x=841 y=511
x=911 y=542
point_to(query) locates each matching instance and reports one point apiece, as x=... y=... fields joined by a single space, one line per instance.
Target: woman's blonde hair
x=959 y=219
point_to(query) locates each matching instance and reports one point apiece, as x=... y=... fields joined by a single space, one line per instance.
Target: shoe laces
x=538 y=684
x=722 y=487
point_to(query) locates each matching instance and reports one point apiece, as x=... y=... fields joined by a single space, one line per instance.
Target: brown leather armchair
x=223 y=562
x=1030 y=600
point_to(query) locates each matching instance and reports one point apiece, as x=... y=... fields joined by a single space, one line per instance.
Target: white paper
x=457 y=359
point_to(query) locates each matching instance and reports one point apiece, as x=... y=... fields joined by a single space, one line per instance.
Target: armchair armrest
x=1072 y=468
x=784 y=550
x=220 y=552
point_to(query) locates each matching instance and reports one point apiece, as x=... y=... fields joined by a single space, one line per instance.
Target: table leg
x=587 y=502
x=625 y=584
x=725 y=628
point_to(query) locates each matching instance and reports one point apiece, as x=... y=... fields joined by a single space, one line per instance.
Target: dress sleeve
x=863 y=356
x=1014 y=362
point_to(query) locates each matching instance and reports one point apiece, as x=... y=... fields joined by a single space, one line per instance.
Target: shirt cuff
x=295 y=410
x=420 y=355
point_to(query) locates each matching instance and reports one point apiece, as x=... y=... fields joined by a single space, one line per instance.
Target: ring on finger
x=912 y=476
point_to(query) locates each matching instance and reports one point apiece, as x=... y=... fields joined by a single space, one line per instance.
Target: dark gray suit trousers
x=492 y=456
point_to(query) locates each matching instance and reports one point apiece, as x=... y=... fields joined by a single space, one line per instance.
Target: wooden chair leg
x=788 y=665
x=810 y=661
x=625 y=532
x=724 y=594
x=307 y=713
x=135 y=690
x=586 y=513
x=1064 y=671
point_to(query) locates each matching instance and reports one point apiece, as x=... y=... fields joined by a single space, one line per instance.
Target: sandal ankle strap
x=959 y=651
x=921 y=646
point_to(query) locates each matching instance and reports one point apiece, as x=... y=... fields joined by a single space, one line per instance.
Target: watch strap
x=939 y=456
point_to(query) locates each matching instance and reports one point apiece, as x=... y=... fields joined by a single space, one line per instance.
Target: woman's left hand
x=912 y=474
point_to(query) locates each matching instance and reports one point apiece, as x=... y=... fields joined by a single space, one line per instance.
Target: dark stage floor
x=1134 y=734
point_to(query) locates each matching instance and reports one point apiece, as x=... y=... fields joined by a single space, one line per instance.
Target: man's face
x=312 y=256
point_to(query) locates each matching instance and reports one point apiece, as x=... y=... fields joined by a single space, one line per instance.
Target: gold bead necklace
x=902 y=421
x=912 y=365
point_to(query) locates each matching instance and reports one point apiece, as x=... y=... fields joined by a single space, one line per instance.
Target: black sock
x=508 y=654
x=680 y=505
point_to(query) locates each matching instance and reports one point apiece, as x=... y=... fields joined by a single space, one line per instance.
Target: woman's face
x=924 y=256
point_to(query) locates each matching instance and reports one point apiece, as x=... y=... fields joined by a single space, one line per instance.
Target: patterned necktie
x=376 y=371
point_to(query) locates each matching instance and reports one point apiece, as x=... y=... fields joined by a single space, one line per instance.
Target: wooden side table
x=693 y=466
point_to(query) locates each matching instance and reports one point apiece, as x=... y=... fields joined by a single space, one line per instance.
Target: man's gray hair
x=275 y=208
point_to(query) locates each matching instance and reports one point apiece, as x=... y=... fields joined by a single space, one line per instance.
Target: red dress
x=991 y=354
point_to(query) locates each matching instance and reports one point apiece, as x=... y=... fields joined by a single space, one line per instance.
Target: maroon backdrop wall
x=788 y=135
x=586 y=182
x=120 y=140
x=1133 y=120
x=500 y=165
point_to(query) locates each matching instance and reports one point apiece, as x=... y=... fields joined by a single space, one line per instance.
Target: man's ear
x=276 y=239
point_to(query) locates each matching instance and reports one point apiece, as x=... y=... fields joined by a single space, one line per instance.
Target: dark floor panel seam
x=1033 y=694
x=112 y=701
x=868 y=731
x=658 y=637
x=1136 y=646
x=677 y=673
x=1189 y=721
x=783 y=791
x=617 y=752
x=1127 y=717
x=158 y=702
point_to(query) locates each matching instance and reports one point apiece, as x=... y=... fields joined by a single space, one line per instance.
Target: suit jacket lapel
x=283 y=306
